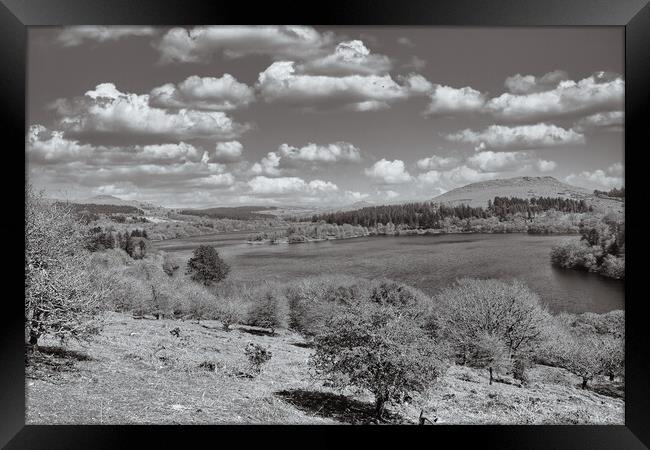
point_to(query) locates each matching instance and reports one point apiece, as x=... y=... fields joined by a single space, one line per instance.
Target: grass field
x=137 y=372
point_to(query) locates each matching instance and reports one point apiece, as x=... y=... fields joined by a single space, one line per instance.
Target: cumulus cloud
x=226 y=152
x=524 y=136
x=545 y=166
x=76 y=35
x=209 y=93
x=200 y=44
x=605 y=121
x=437 y=162
x=415 y=63
x=599 y=92
x=269 y=165
x=489 y=161
x=289 y=185
x=348 y=58
x=455 y=177
x=329 y=153
x=106 y=110
x=446 y=100
x=405 y=41
x=528 y=84
x=281 y=83
x=389 y=172
x=53 y=147
x=607 y=179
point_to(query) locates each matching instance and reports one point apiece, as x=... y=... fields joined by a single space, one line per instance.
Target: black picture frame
x=17 y=15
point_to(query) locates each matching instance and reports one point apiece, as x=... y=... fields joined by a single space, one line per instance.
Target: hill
x=136 y=372
x=478 y=194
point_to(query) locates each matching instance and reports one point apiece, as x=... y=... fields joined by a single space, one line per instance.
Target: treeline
x=502 y=207
x=93 y=208
x=601 y=248
x=307 y=231
x=237 y=212
x=620 y=193
x=430 y=215
x=134 y=242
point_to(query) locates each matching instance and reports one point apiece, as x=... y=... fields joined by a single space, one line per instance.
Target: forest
x=428 y=215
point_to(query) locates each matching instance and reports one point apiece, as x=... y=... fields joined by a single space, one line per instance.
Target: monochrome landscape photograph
x=292 y=224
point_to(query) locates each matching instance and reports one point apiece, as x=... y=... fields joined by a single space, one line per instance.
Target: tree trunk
x=379 y=407
x=490 y=375
x=33 y=338
x=584 y=382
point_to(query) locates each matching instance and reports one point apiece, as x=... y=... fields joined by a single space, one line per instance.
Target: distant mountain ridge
x=478 y=194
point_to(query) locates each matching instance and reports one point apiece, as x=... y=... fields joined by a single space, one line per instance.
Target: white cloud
x=608 y=121
x=280 y=83
x=405 y=41
x=106 y=110
x=489 y=161
x=76 y=35
x=545 y=166
x=329 y=153
x=200 y=44
x=437 y=162
x=348 y=58
x=528 y=84
x=615 y=169
x=389 y=172
x=46 y=146
x=599 y=92
x=210 y=93
x=598 y=179
x=289 y=185
x=449 y=100
x=230 y=151
x=458 y=176
x=524 y=136
x=415 y=63
x=269 y=165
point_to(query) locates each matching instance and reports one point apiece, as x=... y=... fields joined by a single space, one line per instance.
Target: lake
x=426 y=262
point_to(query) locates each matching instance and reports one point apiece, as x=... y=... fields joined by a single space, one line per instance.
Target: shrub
x=206 y=266
x=613 y=267
x=257 y=356
x=61 y=297
x=508 y=311
x=268 y=308
x=170 y=264
x=377 y=348
x=229 y=312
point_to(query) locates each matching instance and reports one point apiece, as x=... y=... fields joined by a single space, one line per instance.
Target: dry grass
x=136 y=371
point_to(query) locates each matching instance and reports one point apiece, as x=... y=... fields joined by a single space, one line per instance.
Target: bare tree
x=61 y=295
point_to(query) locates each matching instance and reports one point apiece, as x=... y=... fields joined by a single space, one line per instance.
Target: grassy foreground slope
x=136 y=371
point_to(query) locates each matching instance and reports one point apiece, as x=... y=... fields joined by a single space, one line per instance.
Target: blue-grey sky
x=293 y=115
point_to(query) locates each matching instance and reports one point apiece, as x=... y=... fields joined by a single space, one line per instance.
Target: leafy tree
x=206 y=266
x=380 y=348
x=61 y=298
x=582 y=357
x=269 y=309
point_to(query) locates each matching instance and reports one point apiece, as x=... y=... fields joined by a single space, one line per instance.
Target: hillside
x=136 y=372
x=478 y=194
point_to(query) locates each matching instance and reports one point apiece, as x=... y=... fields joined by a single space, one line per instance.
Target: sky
x=319 y=116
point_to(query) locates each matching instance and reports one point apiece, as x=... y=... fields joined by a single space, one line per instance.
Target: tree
x=508 y=311
x=206 y=266
x=380 y=348
x=582 y=357
x=269 y=309
x=61 y=298
x=489 y=352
